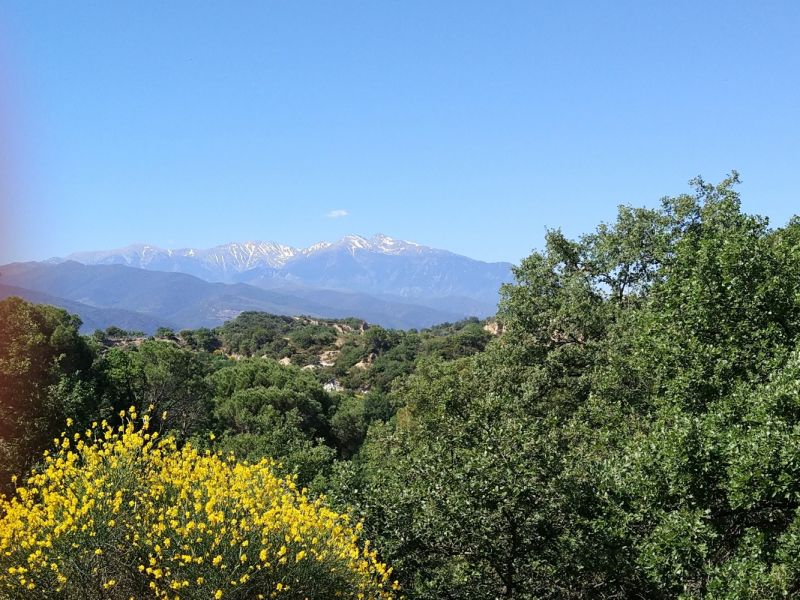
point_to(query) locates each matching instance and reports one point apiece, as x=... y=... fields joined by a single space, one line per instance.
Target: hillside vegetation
x=627 y=426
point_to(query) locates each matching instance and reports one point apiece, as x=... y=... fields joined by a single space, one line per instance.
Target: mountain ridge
x=185 y=301
x=378 y=266
x=250 y=252
x=91 y=316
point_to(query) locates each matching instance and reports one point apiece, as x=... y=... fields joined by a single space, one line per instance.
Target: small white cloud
x=335 y=214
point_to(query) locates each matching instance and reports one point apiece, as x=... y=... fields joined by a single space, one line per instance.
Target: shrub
x=123 y=514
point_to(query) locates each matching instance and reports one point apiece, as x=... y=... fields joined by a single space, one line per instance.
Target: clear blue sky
x=469 y=126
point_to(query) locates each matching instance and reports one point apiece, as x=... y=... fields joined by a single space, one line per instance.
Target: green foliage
x=46 y=376
x=115 y=332
x=199 y=339
x=264 y=409
x=702 y=480
x=726 y=310
x=349 y=425
x=283 y=388
x=162 y=375
x=278 y=435
x=631 y=434
x=262 y=334
x=313 y=335
x=252 y=331
x=472 y=496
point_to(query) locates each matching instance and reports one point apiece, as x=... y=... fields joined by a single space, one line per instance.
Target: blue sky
x=469 y=126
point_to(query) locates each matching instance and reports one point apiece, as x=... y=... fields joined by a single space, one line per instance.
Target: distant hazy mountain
x=378 y=265
x=135 y=298
x=92 y=317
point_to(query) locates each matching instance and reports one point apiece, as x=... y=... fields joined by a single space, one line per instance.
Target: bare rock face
x=285 y=361
x=328 y=358
x=366 y=362
x=494 y=327
x=333 y=386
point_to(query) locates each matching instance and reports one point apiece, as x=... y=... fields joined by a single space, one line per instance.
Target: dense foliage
x=627 y=426
x=631 y=434
x=46 y=376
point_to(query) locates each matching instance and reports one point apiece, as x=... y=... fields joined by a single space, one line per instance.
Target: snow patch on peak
x=316 y=247
x=353 y=243
x=224 y=261
x=355 y=240
x=386 y=245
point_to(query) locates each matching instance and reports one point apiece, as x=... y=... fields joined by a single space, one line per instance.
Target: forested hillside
x=628 y=426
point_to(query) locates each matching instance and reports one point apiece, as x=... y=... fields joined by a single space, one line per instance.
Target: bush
x=125 y=515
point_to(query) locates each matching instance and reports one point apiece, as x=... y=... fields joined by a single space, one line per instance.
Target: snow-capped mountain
x=379 y=244
x=234 y=257
x=379 y=265
x=239 y=257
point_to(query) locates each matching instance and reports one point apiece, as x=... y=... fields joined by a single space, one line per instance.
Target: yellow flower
x=181 y=515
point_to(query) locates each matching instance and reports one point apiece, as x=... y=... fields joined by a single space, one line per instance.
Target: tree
x=471 y=498
x=627 y=436
x=349 y=425
x=703 y=487
x=161 y=375
x=264 y=409
x=46 y=376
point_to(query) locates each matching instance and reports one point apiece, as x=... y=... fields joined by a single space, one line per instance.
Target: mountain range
x=393 y=283
x=377 y=266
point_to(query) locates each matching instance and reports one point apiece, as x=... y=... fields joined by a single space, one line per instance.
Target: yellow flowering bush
x=124 y=514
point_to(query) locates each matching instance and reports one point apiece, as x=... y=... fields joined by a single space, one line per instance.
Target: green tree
x=264 y=409
x=162 y=375
x=349 y=425
x=571 y=459
x=470 y=495
x=46 y=376
x=703 y=487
